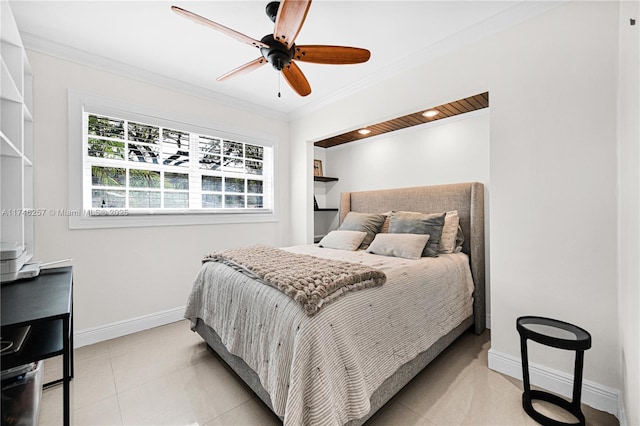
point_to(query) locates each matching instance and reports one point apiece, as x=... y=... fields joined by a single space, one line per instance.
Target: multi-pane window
x=142 y=167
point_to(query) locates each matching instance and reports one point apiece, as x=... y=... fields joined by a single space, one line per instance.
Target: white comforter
x=321 y=370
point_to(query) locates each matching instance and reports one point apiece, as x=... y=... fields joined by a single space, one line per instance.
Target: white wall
x=629 y=207
x=444 y=151
x=132 y=273
x=552 y=84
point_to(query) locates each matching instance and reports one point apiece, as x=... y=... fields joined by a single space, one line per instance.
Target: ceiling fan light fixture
x=364 y=131
x=431 y=113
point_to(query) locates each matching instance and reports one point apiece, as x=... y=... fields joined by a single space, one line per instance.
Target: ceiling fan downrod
x=277 y=54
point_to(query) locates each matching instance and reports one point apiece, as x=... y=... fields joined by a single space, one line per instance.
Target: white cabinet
x=16 y=136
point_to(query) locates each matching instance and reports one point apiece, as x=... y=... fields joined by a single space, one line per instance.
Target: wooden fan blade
x=335 y=55
x=225 y=30
x=296 y=79
x=243 y=69
x=289 y=20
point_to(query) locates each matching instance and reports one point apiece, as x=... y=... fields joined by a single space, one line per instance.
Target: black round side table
x=561 y=335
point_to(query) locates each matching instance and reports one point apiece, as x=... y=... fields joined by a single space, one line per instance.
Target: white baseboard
x=593 y=394
x=93 y=335
x=622 y=415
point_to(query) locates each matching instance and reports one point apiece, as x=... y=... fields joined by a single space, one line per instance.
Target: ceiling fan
x=279 y=48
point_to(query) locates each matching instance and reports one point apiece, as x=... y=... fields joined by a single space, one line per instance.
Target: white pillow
x=449 y=232
x=408 y=246
x=343 y=240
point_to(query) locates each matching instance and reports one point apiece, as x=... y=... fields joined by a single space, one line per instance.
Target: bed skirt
x=390 y=387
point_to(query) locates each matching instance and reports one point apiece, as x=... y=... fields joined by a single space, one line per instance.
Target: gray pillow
x=419 y=223
x=409 y=246
x=343 y=240
x=367 y=222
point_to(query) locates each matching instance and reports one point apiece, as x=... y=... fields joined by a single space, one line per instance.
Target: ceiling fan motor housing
x=277 y=54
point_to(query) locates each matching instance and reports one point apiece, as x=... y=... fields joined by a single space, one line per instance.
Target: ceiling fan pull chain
x=279 y=80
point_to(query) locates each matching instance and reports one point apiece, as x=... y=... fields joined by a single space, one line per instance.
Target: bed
x=340 y=365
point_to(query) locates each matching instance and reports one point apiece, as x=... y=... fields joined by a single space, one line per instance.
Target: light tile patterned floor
x=166 y=376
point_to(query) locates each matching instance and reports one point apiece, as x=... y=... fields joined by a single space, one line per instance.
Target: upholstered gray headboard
x=466 y=198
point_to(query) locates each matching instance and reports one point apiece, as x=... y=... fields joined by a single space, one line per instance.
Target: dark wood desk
x=46 y=304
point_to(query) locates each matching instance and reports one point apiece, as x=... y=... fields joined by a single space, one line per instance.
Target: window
x=135 y=164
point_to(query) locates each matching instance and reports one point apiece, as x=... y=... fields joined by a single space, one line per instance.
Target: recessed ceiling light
x=364 y=131
x=431 y=113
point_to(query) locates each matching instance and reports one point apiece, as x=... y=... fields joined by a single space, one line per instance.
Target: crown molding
x=509 y=18
x=82 y=57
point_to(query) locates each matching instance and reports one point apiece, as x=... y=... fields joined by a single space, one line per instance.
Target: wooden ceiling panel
x=450 y=109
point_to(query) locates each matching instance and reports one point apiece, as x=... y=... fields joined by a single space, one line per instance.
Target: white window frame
x=80 y=218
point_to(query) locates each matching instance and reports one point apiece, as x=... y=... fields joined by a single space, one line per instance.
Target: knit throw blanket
x=310 y=281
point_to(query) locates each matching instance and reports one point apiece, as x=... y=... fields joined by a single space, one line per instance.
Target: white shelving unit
x=16 y=136
x=325 y=218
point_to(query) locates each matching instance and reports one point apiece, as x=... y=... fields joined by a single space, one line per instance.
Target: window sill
x=167 y=219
